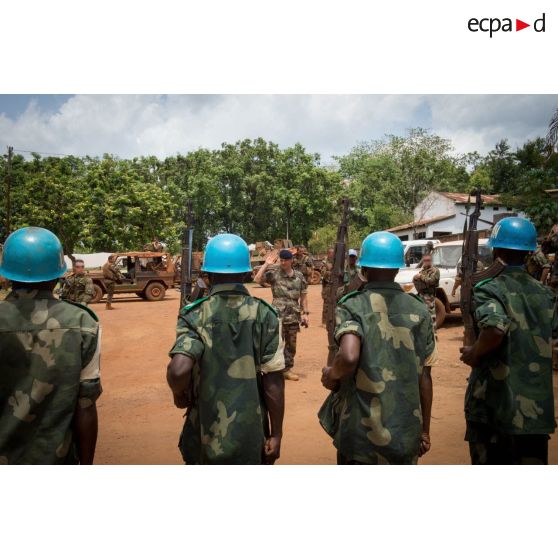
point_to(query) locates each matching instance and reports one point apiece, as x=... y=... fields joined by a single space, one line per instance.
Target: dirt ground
x=138 y=423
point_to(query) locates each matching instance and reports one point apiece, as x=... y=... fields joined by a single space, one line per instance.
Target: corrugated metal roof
x=421 y=223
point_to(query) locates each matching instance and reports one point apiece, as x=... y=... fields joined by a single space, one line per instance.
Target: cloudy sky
x=127 y=125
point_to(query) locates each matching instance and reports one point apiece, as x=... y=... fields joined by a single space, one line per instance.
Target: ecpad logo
x=494 y=24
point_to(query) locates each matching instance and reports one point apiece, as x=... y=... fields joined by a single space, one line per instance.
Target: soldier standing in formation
x=78 y=286
x=303 y=262
x=327 y=283
x=426 y=282
x=111 y=276
x=380 y=413
x=509 y=404
x=226 y=366
x=289 y=290
x=537 y=263
x=49 y=359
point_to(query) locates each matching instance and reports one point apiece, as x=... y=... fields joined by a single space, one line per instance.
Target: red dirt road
x=138 y=423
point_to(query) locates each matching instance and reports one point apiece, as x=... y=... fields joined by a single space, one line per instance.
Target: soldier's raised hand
x=272 y=257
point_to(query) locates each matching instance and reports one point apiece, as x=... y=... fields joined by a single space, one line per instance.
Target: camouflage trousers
x=489 y=447
x=430 y=300
x=110 y=290
x=289 y=333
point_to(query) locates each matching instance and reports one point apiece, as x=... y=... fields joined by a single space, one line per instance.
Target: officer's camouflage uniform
x=375 y=417
x=49 y=364
x=78 y=288
x=287 y=292
x=509 y=404
x=303 y=263
x=233 y=338
x=327 y=285
x=111 y=276
x=426 y=284
x=536 y=263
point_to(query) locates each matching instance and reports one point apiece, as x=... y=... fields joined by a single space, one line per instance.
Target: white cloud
x=160 y=125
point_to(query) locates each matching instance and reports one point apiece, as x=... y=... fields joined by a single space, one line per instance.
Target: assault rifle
x=337 y=276
x=186 y=258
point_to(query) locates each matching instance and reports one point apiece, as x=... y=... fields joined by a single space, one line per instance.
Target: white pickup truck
x=415 y=249
x=446 y=257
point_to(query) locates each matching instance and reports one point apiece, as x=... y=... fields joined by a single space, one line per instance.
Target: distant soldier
x=379 y=412
x=78 y=286
x=327 y=282
x=154 y=246
x=49 y=359
x=303 y=262
x=537 y=263
x=351 y=271
x=289 y=290
x=226 y=366
x=111 y=277
x=509 y=403
x=426 y=282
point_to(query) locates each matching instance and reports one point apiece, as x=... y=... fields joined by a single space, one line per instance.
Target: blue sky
x=132 y=125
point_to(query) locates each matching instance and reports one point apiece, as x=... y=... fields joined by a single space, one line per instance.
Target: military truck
x=146 y=274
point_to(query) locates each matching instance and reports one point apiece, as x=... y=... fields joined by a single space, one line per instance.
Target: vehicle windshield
x=449 y=256
x=446 y=256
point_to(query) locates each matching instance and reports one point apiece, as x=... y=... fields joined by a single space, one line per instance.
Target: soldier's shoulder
x=349 y=297
x=193 y=305
x=266 y=305
x=78 y=306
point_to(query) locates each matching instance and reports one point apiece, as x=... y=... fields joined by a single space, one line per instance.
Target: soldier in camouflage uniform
x=226 y=366
x=289 y=289
x=379 y=411
x=351 y=271
x=78 y=286
x=509 y=404
x=111 y=276
x=327 y=283
x=49 y=360
x=303 y=263
x=426 y=282
x=537 y=263
x=5 y=288
x=153 y=246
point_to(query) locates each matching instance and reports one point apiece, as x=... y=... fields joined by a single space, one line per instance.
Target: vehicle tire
x=315 y=278
x=99 y=293
x=155 y=291
x=440 y=313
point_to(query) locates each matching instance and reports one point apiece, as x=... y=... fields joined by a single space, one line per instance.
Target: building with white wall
x=443 y=213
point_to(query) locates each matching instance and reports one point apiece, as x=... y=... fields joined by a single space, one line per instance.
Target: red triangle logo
x=519 y=25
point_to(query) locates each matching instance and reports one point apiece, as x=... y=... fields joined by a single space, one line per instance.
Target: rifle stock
x=337 y=277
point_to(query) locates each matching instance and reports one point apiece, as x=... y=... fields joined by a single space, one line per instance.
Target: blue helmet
x=382 y=250
x=514 y=233
x=32 y=255
x=226 y=253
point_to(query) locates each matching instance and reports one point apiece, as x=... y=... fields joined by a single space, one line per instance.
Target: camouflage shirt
x=378 y=414
x=428 y=280
x=233 y=338
x=49 y=364
x=304 y=264
x=111 y=273
x=287 y=291
x=512 y=389
x=535 y=264
x=327 y=270
x=78 y=288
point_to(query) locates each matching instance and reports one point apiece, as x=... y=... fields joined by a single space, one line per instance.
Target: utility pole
x=9 y=191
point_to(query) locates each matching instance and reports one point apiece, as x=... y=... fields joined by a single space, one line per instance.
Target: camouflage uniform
x=509 y=404
x=348 y=276
x=287 y=292
x=303 y=263
x=536 y=263
x=426 y=285
x=375 y=417
x=233 y=338
x=5 y=288
x=327 y=285
x=49 y=364
x=78 y=288
x=111 y=276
